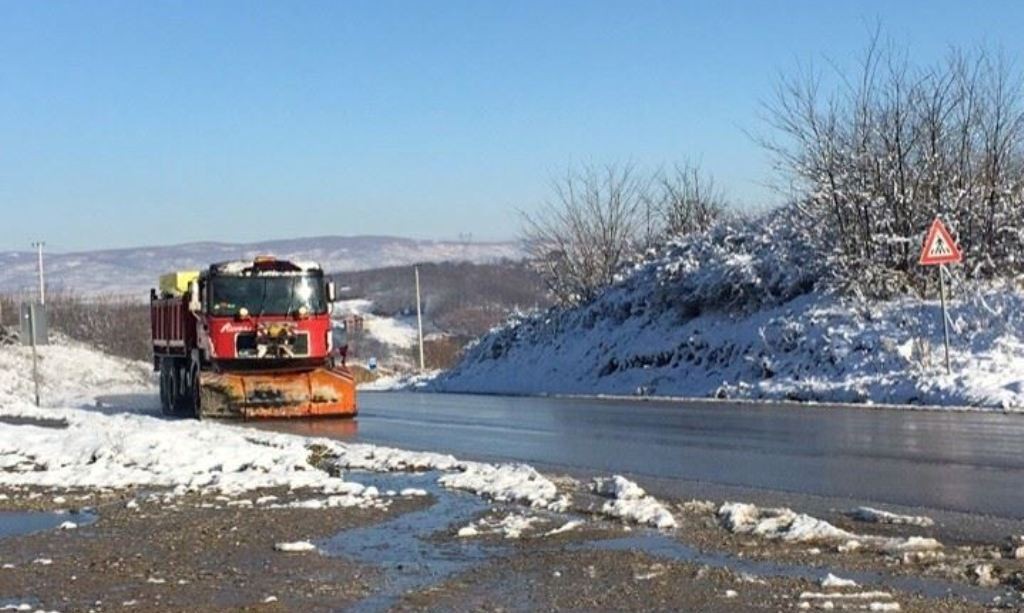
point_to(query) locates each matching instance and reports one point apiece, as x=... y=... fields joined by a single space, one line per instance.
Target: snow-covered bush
x=601 y=219
x=875 y=158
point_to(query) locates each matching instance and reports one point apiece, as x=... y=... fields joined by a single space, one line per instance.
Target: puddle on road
x=17 y=523
x=662 y=546
x=403 y=546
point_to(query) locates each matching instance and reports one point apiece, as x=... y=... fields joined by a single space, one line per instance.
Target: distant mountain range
x=135 y=270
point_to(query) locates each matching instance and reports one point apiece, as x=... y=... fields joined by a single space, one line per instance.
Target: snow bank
x=788 y=525
x=630 y=502
x=741 y=313
x=504 y=483
x=878 y=516
x=71 y=375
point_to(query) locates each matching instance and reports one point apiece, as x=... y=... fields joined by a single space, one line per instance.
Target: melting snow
x=788 y=525
x=834 y=581
x=504 y=483
x=511 y=526
x=631 y=502
x=878 y=516
x=295 y=547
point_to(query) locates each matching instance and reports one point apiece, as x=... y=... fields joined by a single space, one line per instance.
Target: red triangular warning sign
x=939 y=246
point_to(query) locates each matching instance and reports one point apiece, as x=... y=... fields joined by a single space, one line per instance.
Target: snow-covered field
x=132 y=271
x=735 y=315
x=399 y=332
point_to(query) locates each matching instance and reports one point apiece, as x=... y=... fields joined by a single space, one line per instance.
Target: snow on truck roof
x=264 y=266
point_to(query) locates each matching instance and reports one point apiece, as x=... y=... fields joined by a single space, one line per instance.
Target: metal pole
x=35 y=355
x=42 y=286
x=419 y=316
x=945 y=319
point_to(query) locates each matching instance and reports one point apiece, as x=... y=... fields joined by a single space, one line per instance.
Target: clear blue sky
x=131 y=123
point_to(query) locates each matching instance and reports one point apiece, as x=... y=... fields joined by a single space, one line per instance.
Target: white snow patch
x=566 y=527
x=400 y=332
x=400 y=381
x=878 y=516
x=618 y=487
x=631 y=502
x=790 y=526
x=295 y=547
x=68 y=525
x=873 y=595
x=503 y=483
x=512 y=526
x=834 y=581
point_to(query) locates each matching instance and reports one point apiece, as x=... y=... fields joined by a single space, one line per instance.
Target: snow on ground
x=511 y=526
x=107 y=447
x=71 y=374
x=506 y=483
x=878 y=516
x=789 y=526
x=630 y=502
x=740 y=313
x=831 y=580
x=296 y=547
x=400 y=381
x=400 y=332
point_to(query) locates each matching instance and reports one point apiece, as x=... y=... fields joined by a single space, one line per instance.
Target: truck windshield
x=266 y=295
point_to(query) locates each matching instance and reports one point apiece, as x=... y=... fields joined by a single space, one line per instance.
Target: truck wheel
x=195 y=392
x=166 y=391
x=179 y=386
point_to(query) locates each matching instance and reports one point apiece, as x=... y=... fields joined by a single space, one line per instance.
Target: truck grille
x=247 y=345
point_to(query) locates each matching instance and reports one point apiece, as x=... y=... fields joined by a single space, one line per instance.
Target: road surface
x=952 y=461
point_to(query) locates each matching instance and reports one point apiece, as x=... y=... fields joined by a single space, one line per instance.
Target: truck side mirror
x=332 y=292
x=194 y=304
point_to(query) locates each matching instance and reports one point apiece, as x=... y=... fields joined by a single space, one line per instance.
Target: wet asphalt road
x=953 y=461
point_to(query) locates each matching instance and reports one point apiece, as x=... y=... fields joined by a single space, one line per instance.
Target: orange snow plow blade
x=316 y=393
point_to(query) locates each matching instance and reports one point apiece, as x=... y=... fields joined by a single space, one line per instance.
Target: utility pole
x=419 y=316
x=42 y=286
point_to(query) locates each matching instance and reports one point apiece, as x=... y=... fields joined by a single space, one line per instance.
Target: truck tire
x=195 y=392
x=179 y=396
x=166 y=391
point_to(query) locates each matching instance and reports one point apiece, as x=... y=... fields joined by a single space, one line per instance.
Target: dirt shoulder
x=153 y=552
x=183 y=556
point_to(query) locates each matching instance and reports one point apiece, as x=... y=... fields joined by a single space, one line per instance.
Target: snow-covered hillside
x=135 y=270
x=746 y=312
x=399 y=332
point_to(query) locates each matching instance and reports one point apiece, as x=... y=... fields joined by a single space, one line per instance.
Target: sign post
x=940 y=249
x=29 y=325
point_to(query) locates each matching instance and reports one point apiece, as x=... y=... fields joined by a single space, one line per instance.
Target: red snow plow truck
x=249 y=339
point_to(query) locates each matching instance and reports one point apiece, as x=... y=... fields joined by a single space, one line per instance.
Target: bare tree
x=687 y=200
x=895 y=144
x=594 y=224
x=603 y=217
